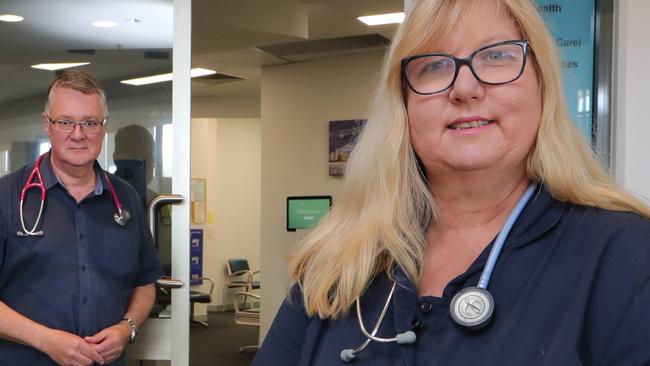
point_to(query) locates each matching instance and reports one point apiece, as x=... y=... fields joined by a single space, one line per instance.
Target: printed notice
x=572 y=23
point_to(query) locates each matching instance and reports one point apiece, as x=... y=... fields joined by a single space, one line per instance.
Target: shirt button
x=81 y=236
x=84 y=300
x=425 y=307
x=83 y=268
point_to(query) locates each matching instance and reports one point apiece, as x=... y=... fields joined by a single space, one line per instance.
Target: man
x=75 y=281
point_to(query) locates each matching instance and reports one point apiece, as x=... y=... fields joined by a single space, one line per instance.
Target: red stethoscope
x=121 y=216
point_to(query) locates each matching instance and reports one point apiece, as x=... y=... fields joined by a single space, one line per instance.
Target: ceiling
x=235 y=37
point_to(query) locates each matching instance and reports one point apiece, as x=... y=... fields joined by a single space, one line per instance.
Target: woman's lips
x=469 y=124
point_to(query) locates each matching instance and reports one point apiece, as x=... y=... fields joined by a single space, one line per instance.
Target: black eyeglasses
x=89 y=126
x=498 y=63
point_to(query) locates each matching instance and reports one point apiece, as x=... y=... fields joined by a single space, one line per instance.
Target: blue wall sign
x=196 y=256
x=573 y=24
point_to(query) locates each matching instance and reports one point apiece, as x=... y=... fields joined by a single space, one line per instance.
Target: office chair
x=200 y=297
x=246 y=315
x=240 y=275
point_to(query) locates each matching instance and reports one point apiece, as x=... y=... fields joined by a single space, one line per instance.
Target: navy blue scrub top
x=78 y=276
x=571 y=288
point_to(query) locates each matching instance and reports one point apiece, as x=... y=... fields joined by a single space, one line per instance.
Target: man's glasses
x=499 y=63
x=89 y=126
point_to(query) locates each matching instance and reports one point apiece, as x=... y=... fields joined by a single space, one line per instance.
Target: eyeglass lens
x=90 y=126
x=498 y=64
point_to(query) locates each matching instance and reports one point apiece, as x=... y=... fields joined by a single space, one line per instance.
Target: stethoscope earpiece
x=348 y=355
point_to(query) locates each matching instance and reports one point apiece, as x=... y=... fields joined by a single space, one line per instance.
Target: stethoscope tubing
x=503 y=235
x=121 y=216
x=371 y=336
x=408 y=337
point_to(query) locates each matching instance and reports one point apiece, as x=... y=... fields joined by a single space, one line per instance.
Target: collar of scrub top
x=541 y=214
x=50 y=178
x=471 y=307
x=102 y=182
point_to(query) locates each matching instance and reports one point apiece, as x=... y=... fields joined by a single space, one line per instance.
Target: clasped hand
x=67 y=349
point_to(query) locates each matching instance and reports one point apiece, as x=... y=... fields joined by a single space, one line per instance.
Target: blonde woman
x=476 y=227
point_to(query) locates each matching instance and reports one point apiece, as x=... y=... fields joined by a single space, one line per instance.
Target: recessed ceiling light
x=58 y=66
x=380 y=19
x=11 y=18
x=197 y=72
x=104 y=24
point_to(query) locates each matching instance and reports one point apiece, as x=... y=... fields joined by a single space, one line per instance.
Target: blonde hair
x=380 y=219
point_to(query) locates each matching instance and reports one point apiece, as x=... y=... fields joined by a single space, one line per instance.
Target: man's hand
x=67 y=349
x=110 y=342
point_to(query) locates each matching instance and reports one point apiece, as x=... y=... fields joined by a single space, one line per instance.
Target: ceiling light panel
x=196 y=72
x=11 y=18
x=58 y=66
x=104 y=24
x=381 y=19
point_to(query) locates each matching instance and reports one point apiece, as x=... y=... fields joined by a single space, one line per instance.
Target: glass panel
x=138 y=43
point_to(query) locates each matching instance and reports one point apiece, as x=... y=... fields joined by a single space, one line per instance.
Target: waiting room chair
x=240 y=275
x=246 y=315
x=200 y=297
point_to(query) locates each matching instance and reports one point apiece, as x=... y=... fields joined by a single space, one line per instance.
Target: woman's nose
x=466 y=87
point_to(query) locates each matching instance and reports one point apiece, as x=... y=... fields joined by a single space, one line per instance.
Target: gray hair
x=80 y=81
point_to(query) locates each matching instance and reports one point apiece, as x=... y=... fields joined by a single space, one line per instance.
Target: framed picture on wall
x=343 y=136
x=197 y=200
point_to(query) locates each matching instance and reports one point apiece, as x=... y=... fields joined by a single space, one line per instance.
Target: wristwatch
x=134 y=329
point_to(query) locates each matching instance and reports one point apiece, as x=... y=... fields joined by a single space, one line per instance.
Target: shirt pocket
x=120 y=253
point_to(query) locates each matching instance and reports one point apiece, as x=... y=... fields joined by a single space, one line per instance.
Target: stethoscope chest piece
x=122 y=216
x=472 y=307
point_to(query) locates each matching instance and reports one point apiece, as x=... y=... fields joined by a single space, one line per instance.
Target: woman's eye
x=437 y=66
x=497 y=55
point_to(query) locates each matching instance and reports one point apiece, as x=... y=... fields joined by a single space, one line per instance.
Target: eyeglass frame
x=54 y=122
x=467 y=61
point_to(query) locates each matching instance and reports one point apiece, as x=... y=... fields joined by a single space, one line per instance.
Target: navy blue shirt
x=78 y=276
x=571 y=288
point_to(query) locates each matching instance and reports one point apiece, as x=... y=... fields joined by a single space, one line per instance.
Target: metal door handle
x=154 y=206
x=168 y=282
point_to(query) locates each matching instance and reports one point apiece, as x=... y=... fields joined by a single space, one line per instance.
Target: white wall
x=631 y=118
x=226 y=152
x=298 y=101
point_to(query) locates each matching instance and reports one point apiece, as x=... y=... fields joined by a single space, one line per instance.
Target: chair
x=246 y=315
x=200 y=297
x=240 y=275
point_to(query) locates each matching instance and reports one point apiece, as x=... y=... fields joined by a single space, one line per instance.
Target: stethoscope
x=121 y=215
x=472 y=307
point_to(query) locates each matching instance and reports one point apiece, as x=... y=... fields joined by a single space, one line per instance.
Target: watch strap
x=134 y=329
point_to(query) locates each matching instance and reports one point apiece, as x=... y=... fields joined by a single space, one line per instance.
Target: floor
x=219 y=343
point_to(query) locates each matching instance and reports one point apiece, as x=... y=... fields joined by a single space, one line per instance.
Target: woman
x=469 y=115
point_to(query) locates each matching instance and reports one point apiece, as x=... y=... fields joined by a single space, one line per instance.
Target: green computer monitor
x=304 y=212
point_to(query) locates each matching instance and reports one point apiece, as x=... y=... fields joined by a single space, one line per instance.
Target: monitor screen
x=305 y=212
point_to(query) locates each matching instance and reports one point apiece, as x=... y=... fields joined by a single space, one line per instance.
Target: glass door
x=147 y=138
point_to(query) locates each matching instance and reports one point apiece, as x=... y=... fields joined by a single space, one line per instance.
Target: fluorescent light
x=382 y=19
x=11 y=18
x=58 y=66
x=197 y=72
x=148 y=79
x=104 y=24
